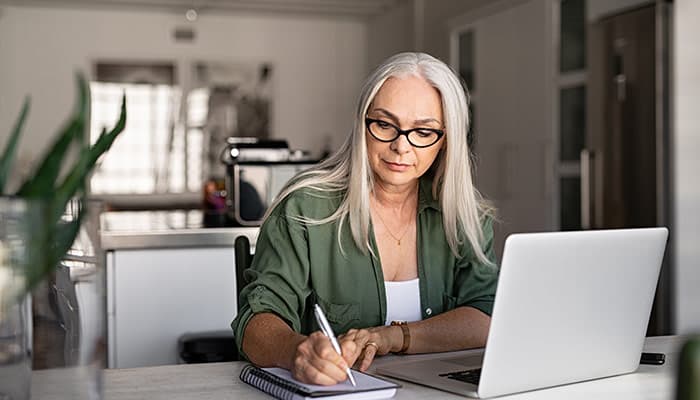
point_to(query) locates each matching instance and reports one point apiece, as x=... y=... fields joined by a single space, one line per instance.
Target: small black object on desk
x=205 y=347
x=653 y=358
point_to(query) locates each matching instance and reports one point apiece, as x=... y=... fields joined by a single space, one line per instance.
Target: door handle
x=587 y=161
x=621 y=87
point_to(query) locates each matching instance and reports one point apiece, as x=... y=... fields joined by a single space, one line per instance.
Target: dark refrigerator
x=625 y=164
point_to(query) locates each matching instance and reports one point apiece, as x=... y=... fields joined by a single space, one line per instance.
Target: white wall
x=686 y=165
x=389 y=33
x=319 y=63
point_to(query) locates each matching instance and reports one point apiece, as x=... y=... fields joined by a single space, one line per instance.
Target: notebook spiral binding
x=270 y=384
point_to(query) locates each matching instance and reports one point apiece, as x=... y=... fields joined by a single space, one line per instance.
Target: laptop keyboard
x=469 y=376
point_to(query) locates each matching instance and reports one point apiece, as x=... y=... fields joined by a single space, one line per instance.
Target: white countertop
x=165 y=229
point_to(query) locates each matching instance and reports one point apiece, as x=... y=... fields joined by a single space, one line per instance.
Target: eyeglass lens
x=387 y=132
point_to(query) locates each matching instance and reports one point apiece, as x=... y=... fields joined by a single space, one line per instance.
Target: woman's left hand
x=370 y=343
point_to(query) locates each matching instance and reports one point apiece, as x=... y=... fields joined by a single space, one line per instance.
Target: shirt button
x=428 y=311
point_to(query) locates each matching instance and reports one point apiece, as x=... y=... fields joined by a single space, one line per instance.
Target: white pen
x=326 y=329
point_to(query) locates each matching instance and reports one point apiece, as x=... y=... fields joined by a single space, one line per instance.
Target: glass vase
x=15 y=304
x=61 y=323
x=69 y=317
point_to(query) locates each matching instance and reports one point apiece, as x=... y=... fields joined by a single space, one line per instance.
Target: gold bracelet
x=406 y=335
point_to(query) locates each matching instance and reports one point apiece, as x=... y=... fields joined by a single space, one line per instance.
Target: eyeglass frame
x=401 y=132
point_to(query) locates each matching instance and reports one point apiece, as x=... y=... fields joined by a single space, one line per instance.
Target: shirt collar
x=425 y=194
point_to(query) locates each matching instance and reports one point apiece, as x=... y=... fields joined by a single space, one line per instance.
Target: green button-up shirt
x=297 y=264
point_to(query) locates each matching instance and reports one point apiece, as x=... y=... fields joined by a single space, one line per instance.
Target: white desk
x=220 y=381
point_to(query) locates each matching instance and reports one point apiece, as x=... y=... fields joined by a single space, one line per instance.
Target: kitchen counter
x=165 y=229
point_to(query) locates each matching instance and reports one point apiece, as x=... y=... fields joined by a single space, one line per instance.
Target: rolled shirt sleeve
x=475 y=281
x=278 y=276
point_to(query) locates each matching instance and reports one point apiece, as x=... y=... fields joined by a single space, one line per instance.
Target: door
x=624 y=166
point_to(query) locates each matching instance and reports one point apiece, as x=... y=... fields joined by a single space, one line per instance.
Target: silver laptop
x=570 y=306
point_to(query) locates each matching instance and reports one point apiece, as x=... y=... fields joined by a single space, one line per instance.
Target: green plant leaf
x=83 y=106
x=54 y=243
x=75 y=180
x=8 y=156
x=66 y=233
x=51 y=237
x=43 y=181
x=121 y=122
x=38 y=239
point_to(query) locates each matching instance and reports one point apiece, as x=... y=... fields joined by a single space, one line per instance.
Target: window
x=174 y=133
x=572 y=31
x=149 y=156
x=464 y=62
x=154 y=153
x=570 y=102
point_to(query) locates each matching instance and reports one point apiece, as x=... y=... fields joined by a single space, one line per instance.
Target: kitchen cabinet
x=162 y=285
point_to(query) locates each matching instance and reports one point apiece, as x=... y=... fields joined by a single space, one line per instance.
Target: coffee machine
x=256 y=171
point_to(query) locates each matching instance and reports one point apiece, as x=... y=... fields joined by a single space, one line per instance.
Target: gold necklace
x=398 y=239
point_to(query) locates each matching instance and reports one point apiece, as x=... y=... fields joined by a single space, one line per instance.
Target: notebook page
x=364 y=382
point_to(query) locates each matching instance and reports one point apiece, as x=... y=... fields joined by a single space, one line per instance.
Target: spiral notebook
x=279 y=383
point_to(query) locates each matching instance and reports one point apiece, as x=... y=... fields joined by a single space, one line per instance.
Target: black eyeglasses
x=417 y=137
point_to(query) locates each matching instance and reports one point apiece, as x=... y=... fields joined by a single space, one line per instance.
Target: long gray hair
x=347 y=171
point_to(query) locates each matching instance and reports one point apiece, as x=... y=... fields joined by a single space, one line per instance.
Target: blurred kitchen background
x=585 y=116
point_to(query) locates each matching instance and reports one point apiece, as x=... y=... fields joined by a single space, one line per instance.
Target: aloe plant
x=50 y=238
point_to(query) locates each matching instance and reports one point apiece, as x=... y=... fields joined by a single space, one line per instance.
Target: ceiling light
x=191 y=15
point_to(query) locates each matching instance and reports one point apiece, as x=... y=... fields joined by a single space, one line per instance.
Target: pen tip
x=352 y=378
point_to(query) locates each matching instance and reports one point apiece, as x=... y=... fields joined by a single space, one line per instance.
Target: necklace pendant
x=399 y=242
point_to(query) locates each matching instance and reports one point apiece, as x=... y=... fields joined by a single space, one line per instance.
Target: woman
x=390 y=228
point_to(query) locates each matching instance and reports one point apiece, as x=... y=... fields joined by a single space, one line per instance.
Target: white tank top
x=402 y=301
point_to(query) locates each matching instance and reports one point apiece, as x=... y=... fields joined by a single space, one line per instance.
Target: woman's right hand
x=315 y=361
